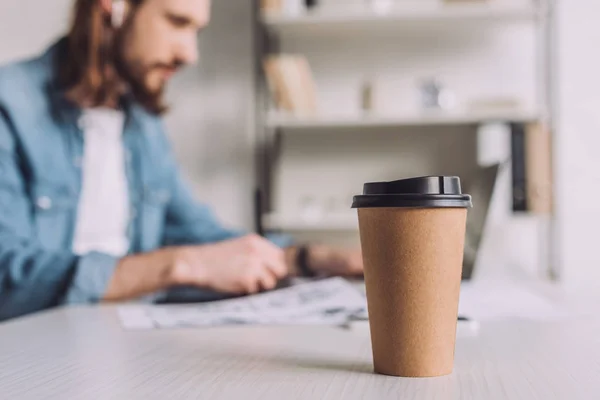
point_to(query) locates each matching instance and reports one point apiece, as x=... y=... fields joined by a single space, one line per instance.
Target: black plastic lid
x=422 y=192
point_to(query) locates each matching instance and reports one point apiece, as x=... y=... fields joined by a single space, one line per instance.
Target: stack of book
x=291 y=84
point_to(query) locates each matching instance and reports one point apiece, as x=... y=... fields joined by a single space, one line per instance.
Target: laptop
x=482 y=190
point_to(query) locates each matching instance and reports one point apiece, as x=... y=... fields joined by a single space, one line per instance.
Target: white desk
x=83 y=353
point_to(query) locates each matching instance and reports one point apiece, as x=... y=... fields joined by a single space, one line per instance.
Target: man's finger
x=274 y=257
x=267 y=280
x=252 y=279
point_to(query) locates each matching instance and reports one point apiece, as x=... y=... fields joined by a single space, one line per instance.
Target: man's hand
x=245 y=265
x=241 y=266
x=335 y=262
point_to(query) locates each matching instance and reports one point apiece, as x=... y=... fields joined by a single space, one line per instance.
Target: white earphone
x=118 y=13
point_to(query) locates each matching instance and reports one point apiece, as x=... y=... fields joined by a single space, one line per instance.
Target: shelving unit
x=366 y=18
x=427 y=22
x=282 y=121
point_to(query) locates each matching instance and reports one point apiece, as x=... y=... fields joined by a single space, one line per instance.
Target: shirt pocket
x=54 y=210
x=155 y=199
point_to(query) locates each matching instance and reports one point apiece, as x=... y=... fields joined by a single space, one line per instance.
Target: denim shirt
x=41 y=150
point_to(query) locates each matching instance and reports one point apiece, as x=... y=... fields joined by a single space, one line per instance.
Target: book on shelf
x=538 y=168
x=291 y=83
x=276 y=83
x=270 y=6
x=519 y=175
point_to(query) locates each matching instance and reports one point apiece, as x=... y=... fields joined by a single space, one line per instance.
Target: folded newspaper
x=331 y=301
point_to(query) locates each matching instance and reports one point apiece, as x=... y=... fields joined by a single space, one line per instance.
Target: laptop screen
x=481 y=189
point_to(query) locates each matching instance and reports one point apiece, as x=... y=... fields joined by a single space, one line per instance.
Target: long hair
x=91 y=57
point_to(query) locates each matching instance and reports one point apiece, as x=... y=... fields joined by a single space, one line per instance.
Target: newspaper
x=331 y=301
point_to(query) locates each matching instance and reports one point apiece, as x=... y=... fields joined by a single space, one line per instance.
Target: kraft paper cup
x=412 y=236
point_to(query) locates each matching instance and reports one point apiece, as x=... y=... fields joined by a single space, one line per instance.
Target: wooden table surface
x=83 y=353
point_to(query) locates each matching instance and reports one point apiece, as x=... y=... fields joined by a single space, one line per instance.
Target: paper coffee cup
x=412 y=236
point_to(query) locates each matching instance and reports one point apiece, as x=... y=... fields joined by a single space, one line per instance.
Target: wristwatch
x=302 y=262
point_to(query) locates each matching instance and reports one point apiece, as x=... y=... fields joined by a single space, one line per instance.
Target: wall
x=29 y=26
x=577 y=142
x=212 y=118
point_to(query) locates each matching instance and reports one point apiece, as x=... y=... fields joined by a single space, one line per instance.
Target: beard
x=134 y=75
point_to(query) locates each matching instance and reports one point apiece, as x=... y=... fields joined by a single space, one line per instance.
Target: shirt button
x=44 y=202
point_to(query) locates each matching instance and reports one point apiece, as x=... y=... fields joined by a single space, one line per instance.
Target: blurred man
x=93 y=207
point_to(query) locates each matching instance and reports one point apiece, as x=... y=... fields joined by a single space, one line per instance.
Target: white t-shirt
x=103 y=210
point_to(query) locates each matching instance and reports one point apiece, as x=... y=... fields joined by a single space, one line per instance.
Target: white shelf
x=343 y=222
x=421 y=119
x=400 y=16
